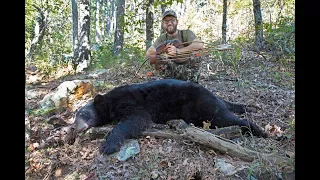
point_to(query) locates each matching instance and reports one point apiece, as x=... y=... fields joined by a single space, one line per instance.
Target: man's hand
x=171 y=50
x=151 y=55
x=161 y=48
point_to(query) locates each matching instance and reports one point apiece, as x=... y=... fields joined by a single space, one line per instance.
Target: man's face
x=170 y=23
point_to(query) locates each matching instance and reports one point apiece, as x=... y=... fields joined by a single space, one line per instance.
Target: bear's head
x=95 y=113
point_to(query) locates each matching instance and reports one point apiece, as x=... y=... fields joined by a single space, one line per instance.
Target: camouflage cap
x=169 y=13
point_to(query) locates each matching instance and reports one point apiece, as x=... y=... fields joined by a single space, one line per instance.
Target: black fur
x=136 y=106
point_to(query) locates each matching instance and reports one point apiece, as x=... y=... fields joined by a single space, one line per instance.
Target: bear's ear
x=98 y=100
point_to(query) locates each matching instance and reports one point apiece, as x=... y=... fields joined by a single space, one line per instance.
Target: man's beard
x=172 y=30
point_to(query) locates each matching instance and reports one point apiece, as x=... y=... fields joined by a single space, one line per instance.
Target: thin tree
x=224 y=22
x=119 y=31
x=109 y=17
x=97 y=22
x=149 y=23
x=258 y=24
x=163 y=9
x=75 y=40
x=84 y=41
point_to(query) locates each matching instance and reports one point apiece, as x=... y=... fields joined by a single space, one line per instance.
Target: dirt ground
x=255 y=80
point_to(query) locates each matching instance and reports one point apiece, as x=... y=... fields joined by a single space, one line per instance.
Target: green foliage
x=280 y=38
x=230 y=58
x=235 y=56
x=291 y=130
x=132 y=53
x=243 y=83
x=282 y=78
x=242 y=4
x=42 y=112
x=104 y=58
x=166 y=3
x=29 y=22
x=279 y=30
x=49 y=53
x=251 y=170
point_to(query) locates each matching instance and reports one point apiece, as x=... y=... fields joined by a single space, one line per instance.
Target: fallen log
x=223 y=145
x=178 y=130
x=212 y=139
x=162 y=131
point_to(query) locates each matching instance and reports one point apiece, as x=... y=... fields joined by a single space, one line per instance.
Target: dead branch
x=212 y=139
x=179 y=130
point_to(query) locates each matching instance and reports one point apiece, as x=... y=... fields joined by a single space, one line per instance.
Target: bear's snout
x=80 y=125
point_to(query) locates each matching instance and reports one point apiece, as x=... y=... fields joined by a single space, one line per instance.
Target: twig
x=50 y=170
x=274 y=112
x=138 y=70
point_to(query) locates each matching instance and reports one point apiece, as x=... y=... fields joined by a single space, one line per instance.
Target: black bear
x=136 y=106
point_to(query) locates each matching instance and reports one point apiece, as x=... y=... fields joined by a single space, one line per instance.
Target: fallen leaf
x=90 y=176
x=206 y=125
x=58 y=172
x=36 y=165
x=154 y=174
x=185 y=162
x=163 y=164
x=31 y=147
x=35 y=145
x=172 y=177
x=289 y=154
x=274 y=130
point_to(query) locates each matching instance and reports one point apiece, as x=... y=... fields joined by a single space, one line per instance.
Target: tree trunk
x=39 y=31
x=84 y=40
x=163 y=9
x=119 y=31
x=98 y=28
x=103 y=13
x=75 y=40
x=132 y=9
x=108 y=17
x=224 y=23
x=112 y=16
x=149 y=23
x=259 y=40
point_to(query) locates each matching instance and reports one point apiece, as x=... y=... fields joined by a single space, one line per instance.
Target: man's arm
x=152 y=51
x=151 y=54
x=195 y=45
x=160 y=48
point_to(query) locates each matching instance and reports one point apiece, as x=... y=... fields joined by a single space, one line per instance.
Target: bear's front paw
x=109 y=148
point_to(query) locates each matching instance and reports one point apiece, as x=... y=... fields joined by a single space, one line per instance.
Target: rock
x=224 y=167
x=30 y=94
x=130 y=148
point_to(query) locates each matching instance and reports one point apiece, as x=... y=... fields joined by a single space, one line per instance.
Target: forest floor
x=255 y=80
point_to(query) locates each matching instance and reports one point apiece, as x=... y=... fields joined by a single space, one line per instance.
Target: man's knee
x=185 y=72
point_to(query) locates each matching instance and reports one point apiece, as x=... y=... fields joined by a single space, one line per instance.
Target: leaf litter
x=169 y=158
